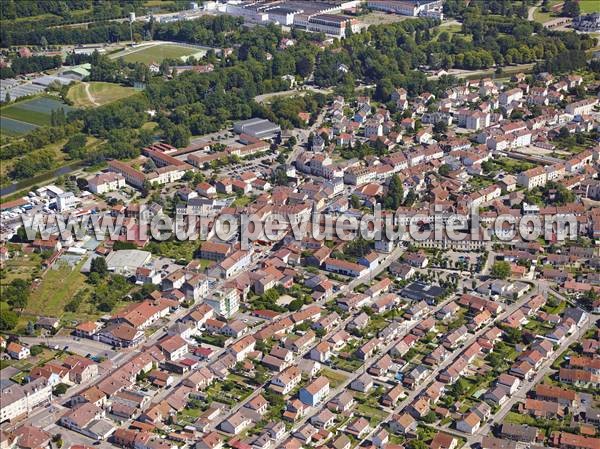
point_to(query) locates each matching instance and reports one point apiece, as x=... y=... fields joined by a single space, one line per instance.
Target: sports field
x=157 y=53
x=86 y=95
x=23 y=116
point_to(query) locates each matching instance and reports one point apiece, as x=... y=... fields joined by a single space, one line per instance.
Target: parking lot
x=81 y=346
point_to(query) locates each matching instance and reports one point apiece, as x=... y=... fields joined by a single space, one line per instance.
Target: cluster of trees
x=39 y=20
x=212 y=31
x=20 y=66
x=357 y=248
x=117 y=123
x=552 y=193
x=391 y=52
x=32 y=164
x=115 y=70
x=565 y=62
x=14 y=9
x=16 y=293
x=500 y=270
x=395 y=194
x=75 y=146
x=268 y=300
x=507 y=8
x=129 y=113
x=14 y=296
x=571 y=8
x=92 y=33
x=39 y=138
x=195 y=104
x=71 y=9
x=285 y=110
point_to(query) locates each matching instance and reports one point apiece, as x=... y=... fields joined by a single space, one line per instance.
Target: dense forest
x=20 y=66
x=22 y=18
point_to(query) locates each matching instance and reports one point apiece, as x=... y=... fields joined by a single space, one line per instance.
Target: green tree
x=411 y=197
x=395 y=195
x=36 y=350
x=295 y=305
x=60 y=389
x=98 y=265
x=75 y=145
x=16 y=293
x=571 y=8
x=8 y=318
x=501 y=270
x=444 y=170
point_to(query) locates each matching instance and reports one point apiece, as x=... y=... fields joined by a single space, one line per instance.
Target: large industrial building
x=258 y=128
x=315 y=16
x=414 y=8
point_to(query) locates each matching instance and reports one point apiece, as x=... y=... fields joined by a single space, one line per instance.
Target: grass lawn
x=588 y=6
x=241 y=201
x=374 y=415
x=56 y=289
x=157 y=53
x=99 y=93
x=451 y=29
x=20 y=267
x=213 y=340
x=542 y=424
x=544 y=17
x=350 y=365
x=228 y=392
x=335 y=379
x=157 y=3
x=176 y=249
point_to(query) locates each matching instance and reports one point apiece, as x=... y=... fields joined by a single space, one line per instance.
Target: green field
x=12 y=127
x=588 y=6
x=93 y=94
x=57 y=288
x=23 y=116
x=157 y=53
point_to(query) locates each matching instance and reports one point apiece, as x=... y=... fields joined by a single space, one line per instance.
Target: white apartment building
x=582 y=107
x=373 y=128
x=511 y=95
x=535 y=177
x=359 y=175
x=19 y=400
x=225 y=302
x=106 y=182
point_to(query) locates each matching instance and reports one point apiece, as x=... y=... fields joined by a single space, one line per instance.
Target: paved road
x=83 y=347
x=302 y=138
x=531 y=12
